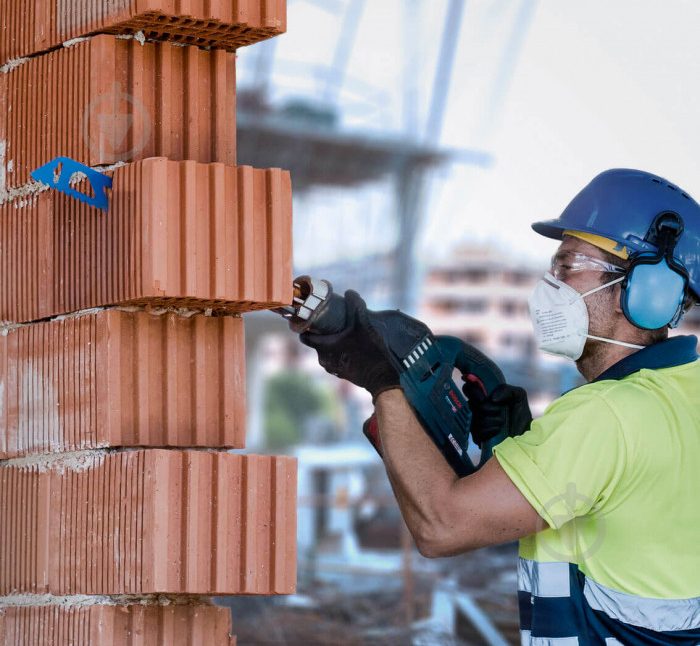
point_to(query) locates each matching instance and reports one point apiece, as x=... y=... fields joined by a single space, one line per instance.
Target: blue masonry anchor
x=46 y=174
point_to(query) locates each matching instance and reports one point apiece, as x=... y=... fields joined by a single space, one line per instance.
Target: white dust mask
x=560 y=318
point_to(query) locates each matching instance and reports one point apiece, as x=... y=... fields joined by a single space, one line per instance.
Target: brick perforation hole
x=203 y=33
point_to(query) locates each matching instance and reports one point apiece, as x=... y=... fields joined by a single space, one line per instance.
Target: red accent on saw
x=475 y=380
x=371 y=430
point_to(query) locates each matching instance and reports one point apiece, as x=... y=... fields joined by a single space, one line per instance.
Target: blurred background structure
x=423 y=138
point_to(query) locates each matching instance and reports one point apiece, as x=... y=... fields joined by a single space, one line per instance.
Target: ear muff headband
x=656 y=285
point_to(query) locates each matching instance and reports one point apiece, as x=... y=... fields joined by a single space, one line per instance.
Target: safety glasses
x=567 y=262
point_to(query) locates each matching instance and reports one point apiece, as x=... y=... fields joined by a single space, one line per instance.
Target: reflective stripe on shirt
x=526 y=640
x=662 y=615
x=561 y=606
x=544 y=579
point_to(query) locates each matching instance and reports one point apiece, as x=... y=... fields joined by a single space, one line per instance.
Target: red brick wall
x=177 y=233
x=182 y=100
x=122 y=368
x=31 y=26
x=122 y=378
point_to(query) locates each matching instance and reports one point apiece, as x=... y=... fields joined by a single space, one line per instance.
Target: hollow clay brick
x=31 y=26
x=118 y=378
x=149 y=521
x=103 y=625
x=176 y=233
x=110 y=100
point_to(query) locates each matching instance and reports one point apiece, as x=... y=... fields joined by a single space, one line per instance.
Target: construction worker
x=603 y=490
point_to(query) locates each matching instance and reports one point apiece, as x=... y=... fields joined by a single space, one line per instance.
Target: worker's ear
x=617 y=298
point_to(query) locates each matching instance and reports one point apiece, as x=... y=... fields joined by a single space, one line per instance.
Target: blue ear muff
x=654 y=294
x=654 y=290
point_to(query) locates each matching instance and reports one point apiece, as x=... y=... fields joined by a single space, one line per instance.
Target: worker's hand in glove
x=506 y=408
x=356 y=353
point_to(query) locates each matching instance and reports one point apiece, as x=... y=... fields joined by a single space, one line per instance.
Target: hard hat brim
x=551 y=229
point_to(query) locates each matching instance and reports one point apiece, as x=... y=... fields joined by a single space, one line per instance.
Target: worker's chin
x=592 y=346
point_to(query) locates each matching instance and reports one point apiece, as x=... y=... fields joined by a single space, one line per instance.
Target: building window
x=473 y=307
x=475 y=275
x=518 y=343
x=521 y=278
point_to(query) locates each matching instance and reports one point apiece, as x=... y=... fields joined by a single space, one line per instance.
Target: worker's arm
x=447 y=515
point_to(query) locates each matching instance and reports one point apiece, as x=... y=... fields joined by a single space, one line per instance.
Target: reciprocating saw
x=425 y=364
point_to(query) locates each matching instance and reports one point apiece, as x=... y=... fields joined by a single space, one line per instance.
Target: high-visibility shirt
x=613 y=469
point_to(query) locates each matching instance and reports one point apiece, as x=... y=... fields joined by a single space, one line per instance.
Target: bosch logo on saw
x=455 y=399
x=453 y=403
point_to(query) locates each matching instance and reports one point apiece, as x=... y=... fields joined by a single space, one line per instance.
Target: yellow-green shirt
x=613 y=467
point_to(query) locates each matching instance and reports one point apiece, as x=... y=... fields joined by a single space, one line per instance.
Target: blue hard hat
x=622 y=205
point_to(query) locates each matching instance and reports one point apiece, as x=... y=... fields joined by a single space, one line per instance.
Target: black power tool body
x=424 y=362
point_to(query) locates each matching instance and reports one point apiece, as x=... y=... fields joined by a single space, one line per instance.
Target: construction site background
x=423 y=139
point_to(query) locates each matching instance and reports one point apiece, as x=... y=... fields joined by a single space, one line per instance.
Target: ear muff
x=654 y=294
x=654 y=290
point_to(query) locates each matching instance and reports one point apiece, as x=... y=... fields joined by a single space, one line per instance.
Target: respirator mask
x=558 y=312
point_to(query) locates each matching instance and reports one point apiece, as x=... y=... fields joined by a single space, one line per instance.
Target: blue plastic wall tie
x=46 y=174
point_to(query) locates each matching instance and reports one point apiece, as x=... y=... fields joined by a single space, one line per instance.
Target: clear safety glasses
x=566 y=262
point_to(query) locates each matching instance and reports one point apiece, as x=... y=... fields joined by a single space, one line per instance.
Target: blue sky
x=597 y=84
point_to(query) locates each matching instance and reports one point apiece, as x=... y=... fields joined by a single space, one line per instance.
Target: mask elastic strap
x=597 y=289
x=627 y=345
x=599 y=338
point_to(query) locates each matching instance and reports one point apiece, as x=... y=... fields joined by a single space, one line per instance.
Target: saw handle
x=475 y=366
x=371 y=431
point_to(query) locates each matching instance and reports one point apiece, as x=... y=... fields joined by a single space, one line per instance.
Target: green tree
x=291 y=398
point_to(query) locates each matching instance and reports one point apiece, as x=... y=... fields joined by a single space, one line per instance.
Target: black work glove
x=506 y=408
x=356 y=353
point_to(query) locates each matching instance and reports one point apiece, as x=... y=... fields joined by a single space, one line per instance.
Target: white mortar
x=75 y=41
x=83 y=600
x=12 y=64
x=139 y=36
x=61 y=462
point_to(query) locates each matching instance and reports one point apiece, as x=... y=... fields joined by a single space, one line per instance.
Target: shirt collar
x=672 y=352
